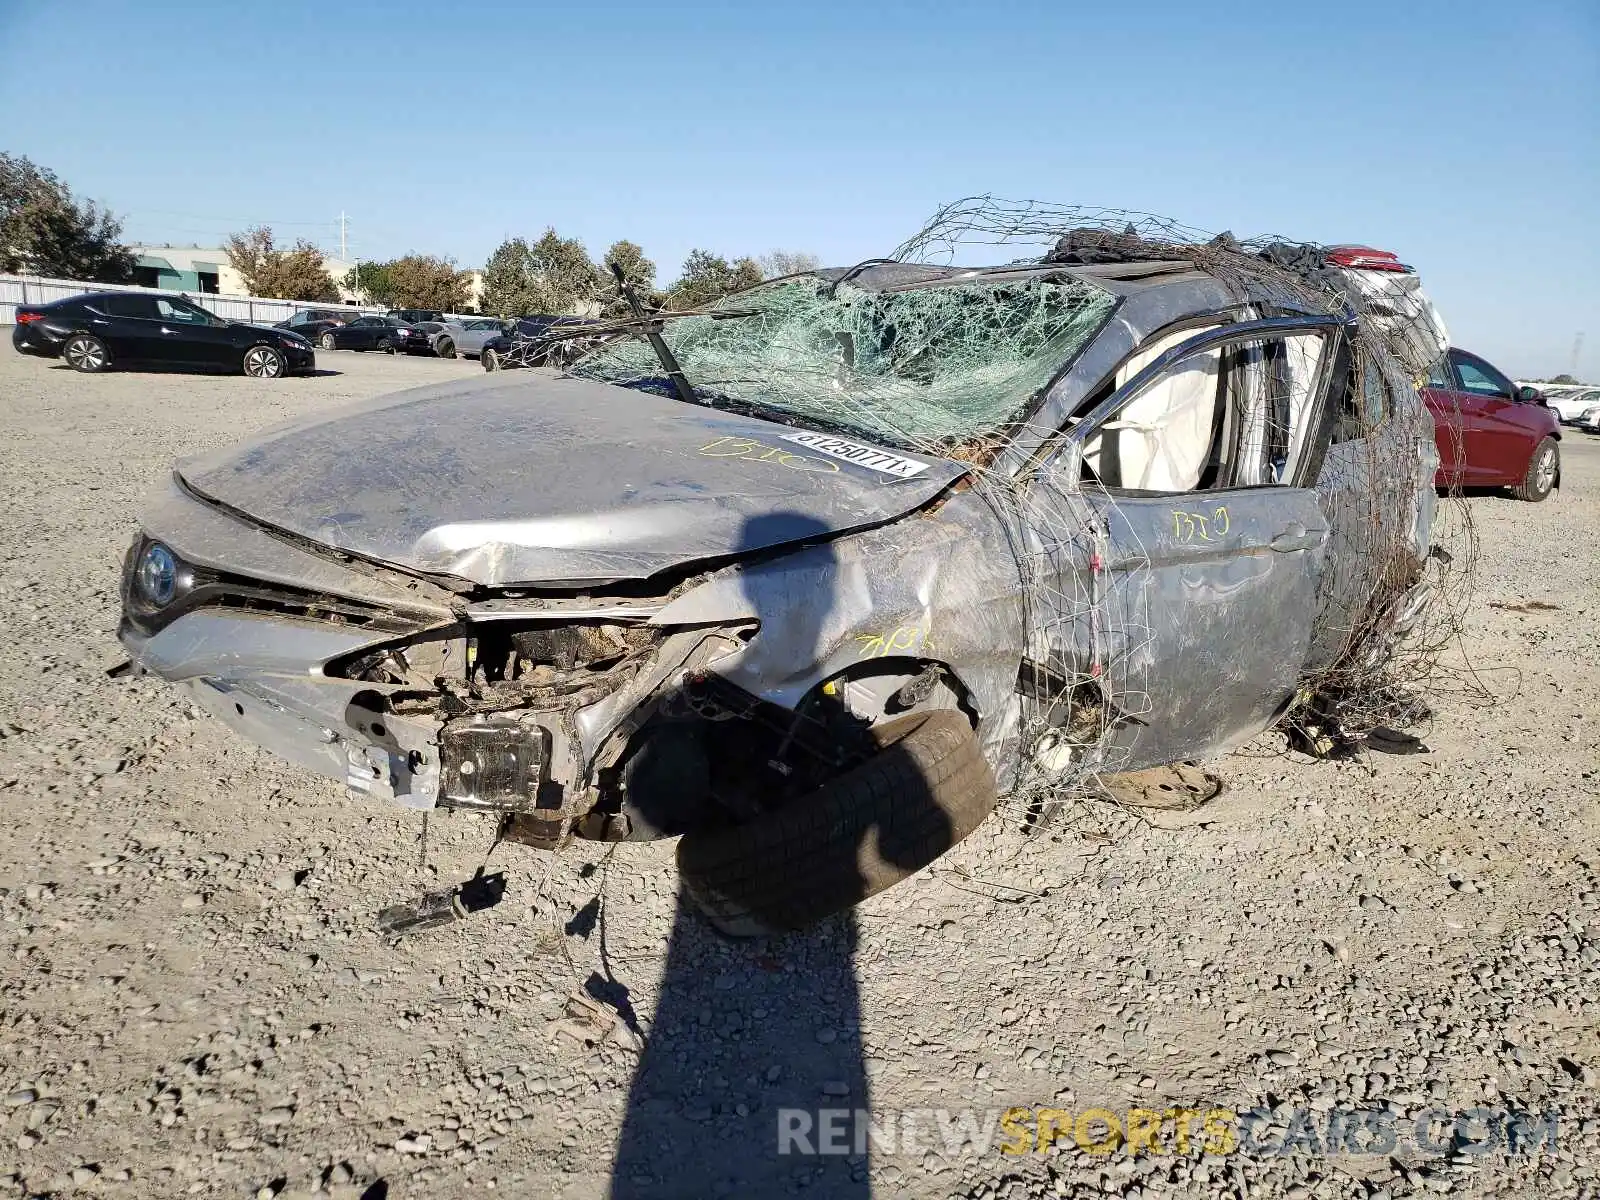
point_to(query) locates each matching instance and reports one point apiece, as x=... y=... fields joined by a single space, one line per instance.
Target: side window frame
x=1487 y=370
x=131 y=299
x=182 y=313
x=1333 y=329
x=1351 y=409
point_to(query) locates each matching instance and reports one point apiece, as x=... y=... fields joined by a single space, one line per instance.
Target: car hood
x=528 y=479
x=255 y=327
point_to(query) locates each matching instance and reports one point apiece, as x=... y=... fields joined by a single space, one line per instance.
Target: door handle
x=169 y=332
x=1298 y=537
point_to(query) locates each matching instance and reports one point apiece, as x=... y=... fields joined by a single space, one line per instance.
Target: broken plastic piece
x=1181 y=785
x=584 y=1019
x=444 y=906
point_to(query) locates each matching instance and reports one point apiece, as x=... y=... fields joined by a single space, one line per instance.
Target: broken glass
x=935 y=365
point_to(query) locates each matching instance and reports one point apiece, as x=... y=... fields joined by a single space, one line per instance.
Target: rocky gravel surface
x=194 y=999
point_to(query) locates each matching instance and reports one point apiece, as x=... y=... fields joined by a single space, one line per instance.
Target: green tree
x=371 y=282
x=297 y=273
x=508 y=280
x=422 y=281
x=708 y=277
x=637 y=270
x=45 y=230
x=553 y=275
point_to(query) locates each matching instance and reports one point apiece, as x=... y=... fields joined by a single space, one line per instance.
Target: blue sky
x=1466 y=137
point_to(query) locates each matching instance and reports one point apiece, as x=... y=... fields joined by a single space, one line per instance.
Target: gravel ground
x=193 y=999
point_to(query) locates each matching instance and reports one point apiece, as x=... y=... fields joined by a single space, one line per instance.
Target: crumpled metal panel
x=943 y=586
x=205 y=536
x=552 y=481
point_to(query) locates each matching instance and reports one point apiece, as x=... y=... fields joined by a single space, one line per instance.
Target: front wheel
x=1544 y=468
x=926 y=789
x=85 y=353
x=326 y=341
x=491 y=360
x=263 y=362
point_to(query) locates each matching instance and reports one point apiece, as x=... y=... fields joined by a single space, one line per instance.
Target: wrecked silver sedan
x=814 y=577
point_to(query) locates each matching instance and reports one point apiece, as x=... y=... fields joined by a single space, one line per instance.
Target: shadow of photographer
x=752 y=1040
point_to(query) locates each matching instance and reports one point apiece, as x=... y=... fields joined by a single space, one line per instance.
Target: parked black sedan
x=99 y=330
x=389 y=334
x=309 y=323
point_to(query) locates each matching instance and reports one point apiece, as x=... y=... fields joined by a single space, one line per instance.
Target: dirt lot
x=193 y=999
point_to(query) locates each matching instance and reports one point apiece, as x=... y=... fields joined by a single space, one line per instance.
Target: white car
x=1570 y=405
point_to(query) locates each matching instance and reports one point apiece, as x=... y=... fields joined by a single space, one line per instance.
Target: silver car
x=465 y=338
x=814 y=578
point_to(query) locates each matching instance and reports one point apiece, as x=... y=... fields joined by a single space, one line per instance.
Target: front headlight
x=155 y=576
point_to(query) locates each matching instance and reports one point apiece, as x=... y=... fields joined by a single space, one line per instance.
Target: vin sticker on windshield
x=863 y=456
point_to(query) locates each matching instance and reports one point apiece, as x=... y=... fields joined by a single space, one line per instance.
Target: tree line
x=551 y=275
x=556 y=275
x=46 y=230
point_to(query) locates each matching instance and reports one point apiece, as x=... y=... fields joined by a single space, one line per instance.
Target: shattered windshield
x=930 y=366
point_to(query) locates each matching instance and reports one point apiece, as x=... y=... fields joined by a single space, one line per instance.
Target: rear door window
x=142 y=307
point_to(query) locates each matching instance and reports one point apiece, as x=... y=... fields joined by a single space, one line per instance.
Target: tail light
x=1365 y=258
x=28 y=318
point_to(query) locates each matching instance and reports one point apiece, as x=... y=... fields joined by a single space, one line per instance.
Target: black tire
x=327 y=342
x=86 y=353
x=388 y=347
x=264 y=362
x=1544 y=469
x=490 y=360
x=445 y=348
x=878 y=823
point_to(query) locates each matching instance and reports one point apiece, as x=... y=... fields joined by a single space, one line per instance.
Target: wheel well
x=882 y=689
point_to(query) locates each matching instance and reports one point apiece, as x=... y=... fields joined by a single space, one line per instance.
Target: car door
x=1499 y=442
x=468 y=336
x=1193 y=608
x=195 y=337
x=479 y=332
x=1373 y=478
x=129 y=329
x=362 y=333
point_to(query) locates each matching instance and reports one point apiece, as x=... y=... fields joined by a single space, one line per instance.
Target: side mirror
x=1527 y=395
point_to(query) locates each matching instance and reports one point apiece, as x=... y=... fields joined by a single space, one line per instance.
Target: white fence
x=29 y=289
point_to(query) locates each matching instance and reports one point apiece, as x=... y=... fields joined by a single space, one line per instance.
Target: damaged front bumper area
x=403 y=691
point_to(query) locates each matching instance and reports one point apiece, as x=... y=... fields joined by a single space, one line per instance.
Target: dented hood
x=521 y=478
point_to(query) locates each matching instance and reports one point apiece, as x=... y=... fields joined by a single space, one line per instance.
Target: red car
x=1490 y=432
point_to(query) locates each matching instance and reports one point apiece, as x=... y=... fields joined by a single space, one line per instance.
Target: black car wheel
x=388 y=347
x=263 y=362
x=491 y=360
x=85 y=353
x=446 y=348
x=326 y=341
x=1544 y=469
x=878 y=823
